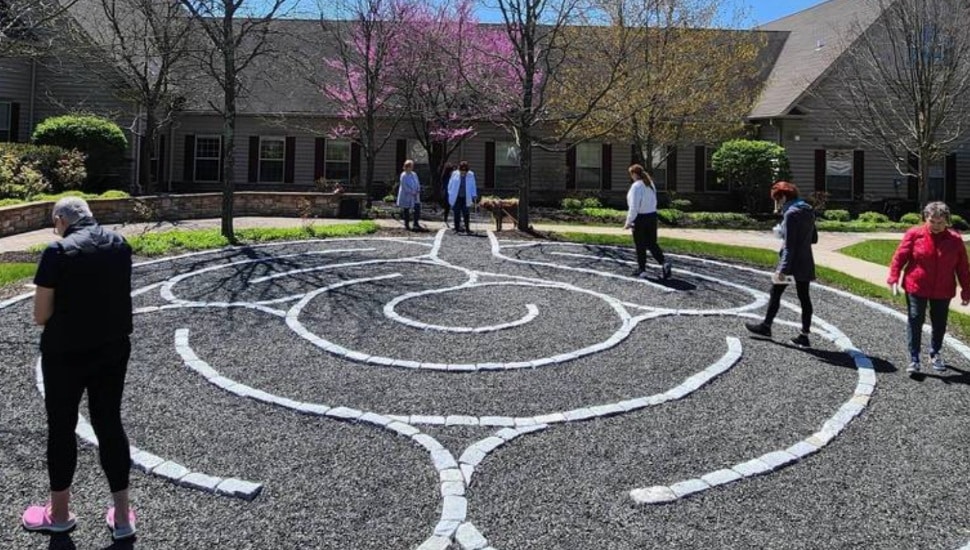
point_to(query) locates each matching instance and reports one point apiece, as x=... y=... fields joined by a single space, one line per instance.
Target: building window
x=4 y=121
x=935 y=185
x=838 y=174
x=711 y=181
x=589 y=165
x=337 y=161
x=208 y=152
x=153 y=159
x=422 y=166
x=506 y=164
x=659 y=172
x=271 y=158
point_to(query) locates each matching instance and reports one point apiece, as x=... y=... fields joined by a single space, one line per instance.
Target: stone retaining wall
x=33 y=216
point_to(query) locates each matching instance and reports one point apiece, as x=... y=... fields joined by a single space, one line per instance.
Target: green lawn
x=876 y=251
x=13 y=272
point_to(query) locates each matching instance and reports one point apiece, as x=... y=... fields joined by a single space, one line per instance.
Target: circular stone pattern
x=434 y=392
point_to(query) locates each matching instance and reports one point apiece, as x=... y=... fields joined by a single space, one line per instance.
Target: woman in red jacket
x=933 y=257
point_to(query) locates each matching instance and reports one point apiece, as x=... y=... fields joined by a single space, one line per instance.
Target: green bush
x=873 y=217
x=751 y=167
x=720 y=218
x=958 y=222
x=671 y=216
x=571 y=204
x=113 y=194
x=605 y=214
x=10 y=202
x=62 y=168
x=911 y=218
x=592 y=202
x=389 y=198
x=684 y=205
x=100 y=139
x=837 y=215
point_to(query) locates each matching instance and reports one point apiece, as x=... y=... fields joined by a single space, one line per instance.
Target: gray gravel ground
x=895 y=478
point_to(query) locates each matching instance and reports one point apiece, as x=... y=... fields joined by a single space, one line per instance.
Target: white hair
x=72 y=209
x=936 y=209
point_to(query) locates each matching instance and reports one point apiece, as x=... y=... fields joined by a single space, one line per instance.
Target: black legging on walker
x=804 y=299
x=101 y=372
x=645 y=237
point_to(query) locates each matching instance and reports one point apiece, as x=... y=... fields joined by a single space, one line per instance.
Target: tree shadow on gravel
x=836 y=358
x=962 y=376
x=61 y=541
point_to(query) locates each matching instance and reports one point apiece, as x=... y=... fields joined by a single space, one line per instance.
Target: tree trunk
x=922 y=182
x=145 y=149
x=229 y=138
x=525 y=180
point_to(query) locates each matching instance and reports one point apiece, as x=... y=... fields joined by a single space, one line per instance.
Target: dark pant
x=406 y=214
x=804 y=299
x=102 y=373
x=461 y=211
x=645 y=237
x=446 y=207
x=939 y=311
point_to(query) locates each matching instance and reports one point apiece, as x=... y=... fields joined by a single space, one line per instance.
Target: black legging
x=102 y=373
x=645 y=237
x=803 y=298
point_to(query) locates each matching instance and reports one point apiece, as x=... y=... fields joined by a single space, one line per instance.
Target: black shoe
x=760 y=329
x=639 y=273
x=801 y=340
x=666 y=270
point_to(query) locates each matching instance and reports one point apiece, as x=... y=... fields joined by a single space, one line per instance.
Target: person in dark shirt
x=83 y=301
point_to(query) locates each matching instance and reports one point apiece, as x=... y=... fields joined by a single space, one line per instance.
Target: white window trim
x=195 y=161
x=260 y=159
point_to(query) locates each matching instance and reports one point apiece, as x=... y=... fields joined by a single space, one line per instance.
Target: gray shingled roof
x=817 y=36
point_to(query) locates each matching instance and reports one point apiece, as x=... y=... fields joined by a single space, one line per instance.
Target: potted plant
x=499 y=208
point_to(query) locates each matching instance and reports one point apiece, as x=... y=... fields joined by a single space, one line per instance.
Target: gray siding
x=15 y=88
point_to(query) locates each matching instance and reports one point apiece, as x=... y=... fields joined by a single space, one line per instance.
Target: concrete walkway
x=826 y=251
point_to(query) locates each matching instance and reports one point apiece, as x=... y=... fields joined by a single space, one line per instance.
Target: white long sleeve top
x=640 y=199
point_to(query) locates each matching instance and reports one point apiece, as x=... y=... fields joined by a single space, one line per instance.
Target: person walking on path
x=795 y=259
x=933 y=257
x=445 y=181
x=641 y=200
x=462 y=193
x=83 y=301
x=409 y=196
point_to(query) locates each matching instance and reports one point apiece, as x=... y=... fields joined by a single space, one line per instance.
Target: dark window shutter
x=402 y=154
x=160 y=160
x=289 y=160
x=14 y=122
x=253 y=159
x=700 y=167
x=355 y=163
x=912 y=182
x=820 y=169
x=489 y=164
x=571 y=167
x=607 y=166
x=671 y=167
x=319 y=158
x=634 y=154
x=188 y=163
x=858 y=174
x=950 y=175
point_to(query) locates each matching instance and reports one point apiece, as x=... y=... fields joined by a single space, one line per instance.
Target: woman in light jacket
x=641 y=200
x=933 y=257
x=462 y=193
x=409 y=195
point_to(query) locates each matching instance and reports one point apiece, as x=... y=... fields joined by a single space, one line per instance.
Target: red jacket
x=932 y=262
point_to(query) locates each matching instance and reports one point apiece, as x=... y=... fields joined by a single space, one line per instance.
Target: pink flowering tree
x=448 y=78
x=360 y=83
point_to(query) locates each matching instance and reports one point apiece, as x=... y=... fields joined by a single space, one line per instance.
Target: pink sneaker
x=123 y=531
x=38 y=518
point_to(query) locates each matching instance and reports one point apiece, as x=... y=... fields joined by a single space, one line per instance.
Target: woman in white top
x=409 y=195
x=642 y=218
x=462 y=193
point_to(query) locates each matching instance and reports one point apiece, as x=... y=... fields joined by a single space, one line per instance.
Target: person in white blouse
x=641 y=200
x=462 y=193
x=409 y=196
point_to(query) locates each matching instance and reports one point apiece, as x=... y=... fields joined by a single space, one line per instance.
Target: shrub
x=671 y=216
x=608 y=215
x=837 y=215
x=10 y=202
x=62 y=168
x=572 y=204
x=592 y=202
x=720 y=218
x=681 y=204
x=911 y=218
x=100 y=139
x=873 y=217
x=113 y=194
x=20 y=179
x=751 y=166
x=389 y=198
x=958 y=222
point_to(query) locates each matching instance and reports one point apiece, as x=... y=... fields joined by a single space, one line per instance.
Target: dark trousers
x=461 y=212
x=645 y=238
x=446 y=207
x=102 y=373
x=939 y=311
x=406 y=214
x=804 y=299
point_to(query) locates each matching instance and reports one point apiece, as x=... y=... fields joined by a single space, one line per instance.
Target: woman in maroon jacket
x=933 y=257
